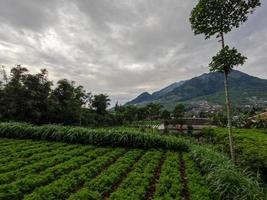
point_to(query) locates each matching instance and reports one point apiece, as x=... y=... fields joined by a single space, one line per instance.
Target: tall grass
x=101 y=136
x=223 y=177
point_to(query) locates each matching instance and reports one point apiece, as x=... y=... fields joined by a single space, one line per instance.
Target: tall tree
x=100 y=103
x=217 y=18
x=14 y=95
x=67 y=100
x=37 y=90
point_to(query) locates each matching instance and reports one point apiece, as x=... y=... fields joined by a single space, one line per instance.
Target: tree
x=4 y=76
x=219 y=17
x=179 y=111
x=142 y=113
x=153 y=110
x=37 y=90
x=100 y=103
x=166 y=115
x=66 y=102
x=14 y=95
x=130 y=113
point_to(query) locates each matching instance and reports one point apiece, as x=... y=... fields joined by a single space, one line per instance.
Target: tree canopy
x=226 y=59
x=213 y=17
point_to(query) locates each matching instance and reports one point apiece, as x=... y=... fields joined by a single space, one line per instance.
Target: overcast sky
x=119 y=47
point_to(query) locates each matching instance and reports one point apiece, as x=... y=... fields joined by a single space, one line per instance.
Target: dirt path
x=116 y=184
x=152 y=186
x=184 y=182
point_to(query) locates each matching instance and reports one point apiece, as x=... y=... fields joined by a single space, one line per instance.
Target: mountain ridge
x=208 y=87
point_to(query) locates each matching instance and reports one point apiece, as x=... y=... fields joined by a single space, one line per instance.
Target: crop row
x=106 y=181
x=139 y=179
x=14 y=163
x=20 y=187
x=111 y=136
x=12 y=150
x=169 y=184
x=67 y=184
x=60 y=156
x=197 y=186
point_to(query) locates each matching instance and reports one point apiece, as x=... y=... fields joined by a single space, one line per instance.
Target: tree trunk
x=229 y=116
x=228 y=108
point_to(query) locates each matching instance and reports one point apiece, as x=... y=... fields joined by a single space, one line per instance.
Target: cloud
x=119 y=47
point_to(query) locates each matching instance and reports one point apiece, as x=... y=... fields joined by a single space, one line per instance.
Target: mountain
x=209 y=87
x=146 y=97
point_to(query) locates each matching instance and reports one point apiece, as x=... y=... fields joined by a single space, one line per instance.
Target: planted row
x=12 y=150
x=197 y=186
x=111 y=136
x=139 y=179
x=105 y=182
x=18 y=161
x=169 y=184
x=61 y=156
x=61 y=188
x=17 y=189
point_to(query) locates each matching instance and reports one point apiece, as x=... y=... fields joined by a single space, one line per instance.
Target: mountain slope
x=210 y=87
x=146 y=97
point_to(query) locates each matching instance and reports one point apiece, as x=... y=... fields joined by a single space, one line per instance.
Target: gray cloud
x=119 y=47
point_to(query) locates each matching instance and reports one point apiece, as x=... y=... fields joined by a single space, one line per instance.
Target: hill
x=244 y=89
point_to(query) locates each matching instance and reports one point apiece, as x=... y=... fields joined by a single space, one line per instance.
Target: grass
x=250 y=146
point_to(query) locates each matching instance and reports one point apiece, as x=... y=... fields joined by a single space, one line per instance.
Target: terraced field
x=50 y=170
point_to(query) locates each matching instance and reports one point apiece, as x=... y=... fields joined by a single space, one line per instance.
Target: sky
x=119 y=47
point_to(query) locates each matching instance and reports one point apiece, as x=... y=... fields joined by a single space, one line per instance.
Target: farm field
x=51 y=170
x=61 y=162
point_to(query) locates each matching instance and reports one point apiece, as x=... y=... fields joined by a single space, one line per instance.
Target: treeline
x=33 y=98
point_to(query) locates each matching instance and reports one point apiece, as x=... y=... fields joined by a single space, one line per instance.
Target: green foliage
x=251 y=146
x=165 y=115
x=30 y=98
x=53 y=170
x=38 y=163
x=100 y=103
x=169 y=184
x=102 y=183
x=226 y=59
x=179 y=111
x=62 y=188
x=85 y=194
x=225 y=180
x=138 y=180
x=198 y=188
x=19 y=187
x=66 y=102
x=101 y=136
x=213 y=17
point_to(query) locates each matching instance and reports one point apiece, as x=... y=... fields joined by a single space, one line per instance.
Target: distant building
x=261 y=116
x=185 y=123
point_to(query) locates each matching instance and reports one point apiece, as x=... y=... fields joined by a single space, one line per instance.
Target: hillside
x=244 y=89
